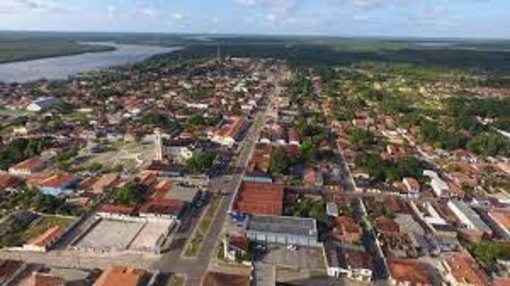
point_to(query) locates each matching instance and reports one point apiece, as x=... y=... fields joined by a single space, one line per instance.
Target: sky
x=389 y=18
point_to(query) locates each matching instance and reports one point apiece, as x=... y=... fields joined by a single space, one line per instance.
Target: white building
x=42 y=103
x=439 y=187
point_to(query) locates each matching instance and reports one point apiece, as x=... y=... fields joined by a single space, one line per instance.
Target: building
x=438 y=185
x=162 y=209
x=115 y=211
x=10 y=270
x=117 y=275
x=27 y=167
x=284 y=230
x=44 y=241
x=410 y=272
x=462 y=269
x=260 y=198
x=42 y=104
x=348 y=261
x=235 y=247
x=412 y=185
x=57 y=184
x=346 y=230
x=10 y=183
x=230 y=131
x=500 y=222
x=106 y=183
x=468 y=218
x=43 y=279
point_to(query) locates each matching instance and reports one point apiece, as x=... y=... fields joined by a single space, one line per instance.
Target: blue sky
x=420 y=18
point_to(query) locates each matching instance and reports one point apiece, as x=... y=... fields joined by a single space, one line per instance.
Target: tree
x=489 y=145
x=131 y=194
x=201 y=162
x=362 y=138
x=280 y=162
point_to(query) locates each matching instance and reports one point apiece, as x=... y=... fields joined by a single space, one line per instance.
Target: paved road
x=195 y=268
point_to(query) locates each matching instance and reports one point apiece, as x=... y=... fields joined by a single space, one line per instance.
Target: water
x=63 y=67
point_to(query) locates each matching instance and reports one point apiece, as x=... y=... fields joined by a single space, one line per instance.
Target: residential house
x=27 y=167
x=348 y=261
x=462 y=269
x=10 y=270
x=118 y=275
x=500 y=222
x=235 y=246
x=440 y=188
x=224 y=279
x=410 y=272
x=346 y=230
x=474 y=226
x=42 y=104
x=10 y=183
x=44 y=241
x=58 y=183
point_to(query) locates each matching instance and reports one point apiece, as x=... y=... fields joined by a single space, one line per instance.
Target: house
x=10 y=183
x=230 y=131
x=313 y=177
x=115 y=211
x=10 y=270
x=162 y=209
x=106 y=183
x=259 y=198
x=386 y=226
x=43 y=279
x=474 y=226
x=500 y=222
x=412 y=185
x=44 y=241
x=42 y=104
x=294 y=138
x=235 y=246
x=58 y=183
x=440 y=188
x=283 y=230
x=117 y=275
x=332 y=209
x=348 y=261
x=462 y=269
x=410 y=272
x=27 y=167
x=346 y=230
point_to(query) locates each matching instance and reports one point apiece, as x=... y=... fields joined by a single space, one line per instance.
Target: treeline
x=20 y=149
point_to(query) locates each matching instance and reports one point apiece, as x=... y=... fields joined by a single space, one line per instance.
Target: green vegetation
x=29 y=49
x=130 y=194
x=362 y=138
x=177 y=280
x=20 y=149
x=195 y=243
x=487 y=252
x=387 y=170
x=310 y=208
x=201 y=162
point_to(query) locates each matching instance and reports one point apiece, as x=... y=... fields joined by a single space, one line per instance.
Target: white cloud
x=177 y=16
x=15 y=6
x=149 y=12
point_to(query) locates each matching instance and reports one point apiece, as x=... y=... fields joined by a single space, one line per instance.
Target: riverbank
x=20 y=51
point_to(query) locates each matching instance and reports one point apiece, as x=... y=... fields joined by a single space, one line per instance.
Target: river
x=65 y=66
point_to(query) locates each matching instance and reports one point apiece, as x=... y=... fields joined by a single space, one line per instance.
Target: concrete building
x=348 y=261
x=42 y=104
x=438 y=185
x=468 y=217
x=284 y=230
x=500 y=222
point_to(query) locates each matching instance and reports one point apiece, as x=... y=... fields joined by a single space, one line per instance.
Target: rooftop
x=116 y=275
x=465 y=269
x=282 y=224
x=410 y=271
x=45 y=238
x=260 y=198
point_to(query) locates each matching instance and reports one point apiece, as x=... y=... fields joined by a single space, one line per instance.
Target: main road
x=194 y=269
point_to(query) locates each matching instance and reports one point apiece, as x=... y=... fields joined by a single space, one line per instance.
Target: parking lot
x=110 y=235
x=301 y=263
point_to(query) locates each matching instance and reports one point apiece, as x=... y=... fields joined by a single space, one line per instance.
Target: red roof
x=465 y=269
x=48 y=236
x=260 y=198
x=386 y=225
x=116 y=209
x=30 y=164
x=58 y=180
x=410 y=271
x=167 y=207
x=7 y=181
